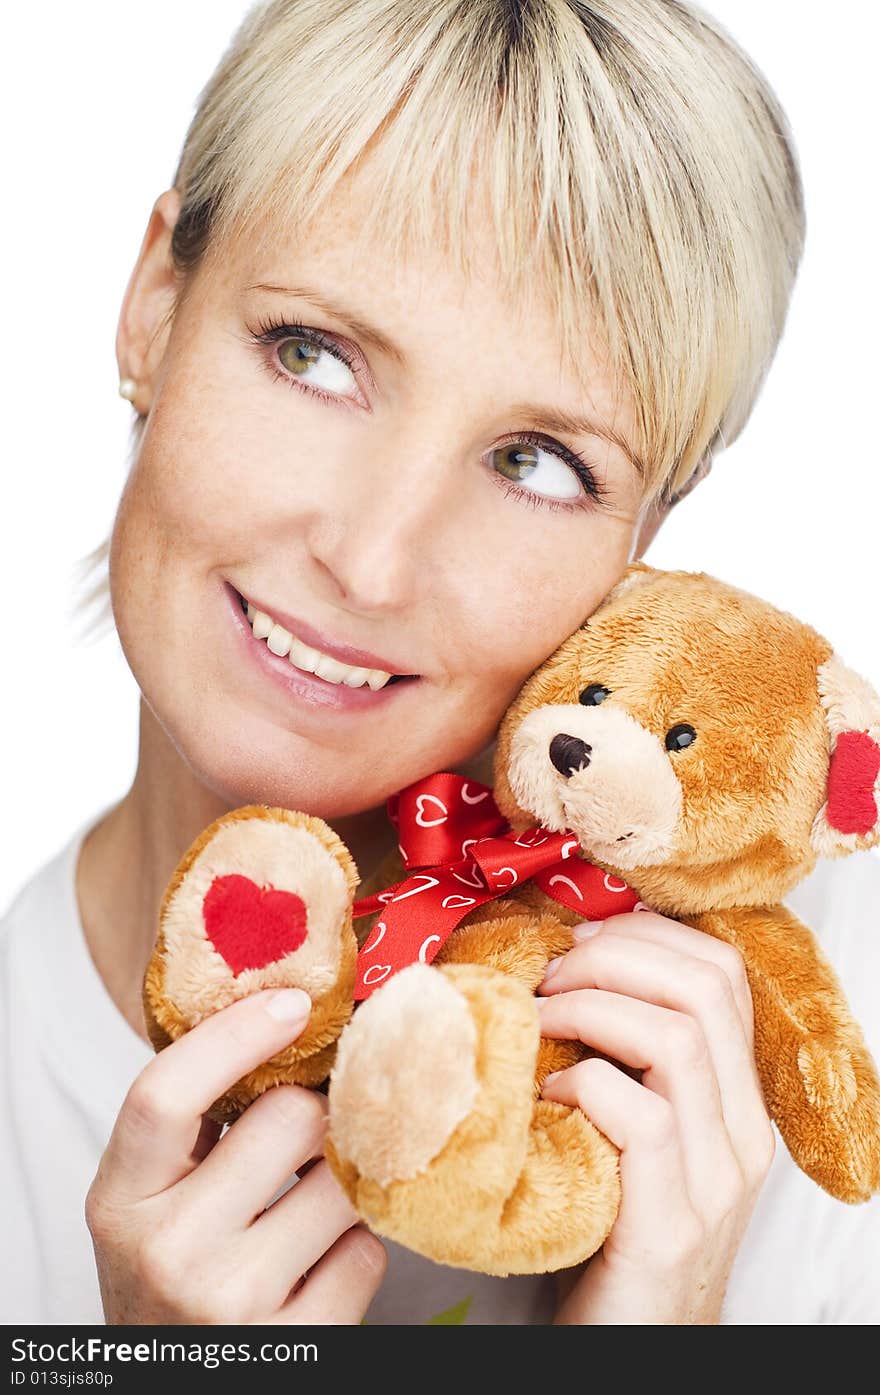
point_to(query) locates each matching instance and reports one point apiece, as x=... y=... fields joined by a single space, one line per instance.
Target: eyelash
x=272 y=331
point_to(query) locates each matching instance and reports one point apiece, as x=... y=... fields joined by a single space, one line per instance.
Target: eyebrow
x=361 y=328
x=544 y=418
x=571 y=423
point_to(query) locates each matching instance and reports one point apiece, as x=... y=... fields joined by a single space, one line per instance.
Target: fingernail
x=586 y=929
x=552 y=967
x=548 y=1079
x=289 y=1005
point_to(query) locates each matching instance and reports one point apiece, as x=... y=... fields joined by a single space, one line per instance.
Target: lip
x=345 y=653
x=306 y=689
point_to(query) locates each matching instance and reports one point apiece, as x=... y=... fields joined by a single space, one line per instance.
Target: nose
x=383 y=541
x=569 y=753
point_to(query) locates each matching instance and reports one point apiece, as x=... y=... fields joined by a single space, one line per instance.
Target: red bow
x=452 y=831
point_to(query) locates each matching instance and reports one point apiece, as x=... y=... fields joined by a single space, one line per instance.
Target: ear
x=148 y=303
x=637 y=574
x=850 y=817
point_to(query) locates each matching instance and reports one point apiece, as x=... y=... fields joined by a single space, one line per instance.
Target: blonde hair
x=637 y=160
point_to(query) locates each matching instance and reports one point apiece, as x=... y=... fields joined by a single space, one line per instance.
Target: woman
x=447 y=305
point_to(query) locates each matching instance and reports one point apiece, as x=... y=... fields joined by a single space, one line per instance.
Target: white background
x=95 y=103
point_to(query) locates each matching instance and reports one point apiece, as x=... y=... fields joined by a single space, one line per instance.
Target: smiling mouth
x=310 y=660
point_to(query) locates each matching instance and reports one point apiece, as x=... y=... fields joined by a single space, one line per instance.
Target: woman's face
x=364 y=449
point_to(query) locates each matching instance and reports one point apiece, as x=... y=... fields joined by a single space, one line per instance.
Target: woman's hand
x=695 y=1138
x=179 y=1220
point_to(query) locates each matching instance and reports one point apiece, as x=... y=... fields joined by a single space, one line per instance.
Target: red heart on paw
x=250 y=925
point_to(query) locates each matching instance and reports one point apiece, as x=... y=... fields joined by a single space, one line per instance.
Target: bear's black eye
x=679 y=737
x=592 y=696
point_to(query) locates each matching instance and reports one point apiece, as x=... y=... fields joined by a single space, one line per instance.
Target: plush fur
x=187 y=978
x=437 y=1129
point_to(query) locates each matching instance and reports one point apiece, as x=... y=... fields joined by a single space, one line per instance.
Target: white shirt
x=69 y=1057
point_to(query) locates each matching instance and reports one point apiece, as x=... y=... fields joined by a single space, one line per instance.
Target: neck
x=128 y=857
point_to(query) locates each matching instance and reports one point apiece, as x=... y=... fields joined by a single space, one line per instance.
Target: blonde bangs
x=639 y=169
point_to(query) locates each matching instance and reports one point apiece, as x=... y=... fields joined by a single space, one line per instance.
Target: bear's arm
x=517 y=934
x=819 y=1080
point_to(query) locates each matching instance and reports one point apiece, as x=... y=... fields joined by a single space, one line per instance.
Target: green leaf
x=452 y=1317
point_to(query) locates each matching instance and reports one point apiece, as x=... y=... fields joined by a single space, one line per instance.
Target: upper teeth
x=303 y=656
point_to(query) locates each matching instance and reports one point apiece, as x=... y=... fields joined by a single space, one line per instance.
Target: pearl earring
x=127 y=388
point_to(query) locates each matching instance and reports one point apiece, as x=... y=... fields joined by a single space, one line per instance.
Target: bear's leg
x=437 y=1137
x=262 y=899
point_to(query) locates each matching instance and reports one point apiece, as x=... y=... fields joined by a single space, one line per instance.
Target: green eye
x=537 y=468
x=515 y=462
x=298 y=355
x=594 y=694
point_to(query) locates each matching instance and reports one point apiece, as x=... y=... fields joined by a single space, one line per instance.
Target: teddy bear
x=690 y=748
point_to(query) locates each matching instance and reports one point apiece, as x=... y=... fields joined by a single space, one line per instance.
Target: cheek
x=213 y=486
x=224 y=457
x=193 y=488
x=554 y=579
x=189 y=507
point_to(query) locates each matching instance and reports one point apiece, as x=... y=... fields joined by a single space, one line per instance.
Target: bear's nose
x=569 y=753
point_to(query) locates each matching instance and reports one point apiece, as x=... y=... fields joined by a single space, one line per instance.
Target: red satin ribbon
x=464 y=852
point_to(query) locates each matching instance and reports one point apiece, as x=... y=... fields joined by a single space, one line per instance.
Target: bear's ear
x=850 y=817
x=637 y=574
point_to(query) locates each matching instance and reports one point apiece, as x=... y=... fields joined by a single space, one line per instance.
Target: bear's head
x=702 y=745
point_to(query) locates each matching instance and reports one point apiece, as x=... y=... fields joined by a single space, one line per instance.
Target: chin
x=306 y=777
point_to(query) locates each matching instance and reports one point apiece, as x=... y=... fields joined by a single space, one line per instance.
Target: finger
x=671 y=1051
x=656 y=973
x=655 y=1201
x=153 y=1141
x=291 y=1236
x=342 y=1285
x=274 y=1138
x=650 y=927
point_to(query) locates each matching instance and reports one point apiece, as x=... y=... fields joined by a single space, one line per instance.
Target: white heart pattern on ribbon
x=376 y=973
x=533 y=839
x=473 y=799
x=567 y=881
x=500 y=872
x=621 y=886
x=424 y=799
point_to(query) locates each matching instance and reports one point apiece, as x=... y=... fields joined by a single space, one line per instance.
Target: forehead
x=724 y=655
x=442 y=299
